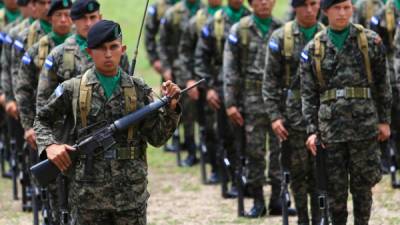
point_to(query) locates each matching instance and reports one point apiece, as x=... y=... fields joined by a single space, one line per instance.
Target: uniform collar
x=126 y=80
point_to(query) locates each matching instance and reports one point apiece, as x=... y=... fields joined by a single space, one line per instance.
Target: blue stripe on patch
x=18 y=45
x=304 y=56
x=152 y=10
x=374 y=20
x=273 y=45
x=59 y=90
x=233 y=39
x=48 y=63
x=26 y=59
x=2 y=36
x=205 y=32
x=8 y=40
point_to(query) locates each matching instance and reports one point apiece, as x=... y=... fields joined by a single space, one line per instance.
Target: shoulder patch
x=59 y=90
x=374 y=20
x=26 y=59
x=304 y=56
x=18 y=45
x=205 y=32
x=273 y=45
x=233 y=39
x=8 y=40
x=163 y=20
x=152 y=10
x=48 y=63
x=2 y=36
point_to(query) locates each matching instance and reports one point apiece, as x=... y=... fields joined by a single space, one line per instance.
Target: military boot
x=258 y=209
x=275 y=203
x=191 y=159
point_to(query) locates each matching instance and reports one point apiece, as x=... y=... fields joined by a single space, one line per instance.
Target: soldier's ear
x=123 y=49
x=101 y=16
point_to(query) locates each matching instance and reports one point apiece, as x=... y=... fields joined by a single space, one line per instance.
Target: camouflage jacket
x=365 y=9
x=281 y=90
x=67 y=61
x=113 y=184
x=395 y=80
x=209 y=52
x=154 y=14
x=244 y=65
x=27 y=80
x=172 y=25
x=187 y=45
x=345 y=119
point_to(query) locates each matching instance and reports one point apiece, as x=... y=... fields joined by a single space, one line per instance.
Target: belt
x=348 y=92
x=119 y=153
x=293 y=94
x=249 y=84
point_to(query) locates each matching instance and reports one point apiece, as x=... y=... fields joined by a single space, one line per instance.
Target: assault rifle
x=285 y=195
x=322 y=184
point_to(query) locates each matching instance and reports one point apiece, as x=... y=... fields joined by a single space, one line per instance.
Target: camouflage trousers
x=257 y=127
x=356 y=164
x=302 y=184
x=188 y=117
x=109 y=217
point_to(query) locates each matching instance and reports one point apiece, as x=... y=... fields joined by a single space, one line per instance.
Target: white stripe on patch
x=48 y=63
x=273 y=46
x=59 y=90
x=233 y=39
x=374 y=20
x=26 y=59
x=304 y=56
x=8 y=40
x=19 y=45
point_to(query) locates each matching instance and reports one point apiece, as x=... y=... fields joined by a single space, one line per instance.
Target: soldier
x=114 y=189
x=364 y=10
x=243 y=69
x=208 y=65
x=171 y=30
x=154 y=14
x=281 y=93
x=395 y=126
x=346 y=103
x=187 y=47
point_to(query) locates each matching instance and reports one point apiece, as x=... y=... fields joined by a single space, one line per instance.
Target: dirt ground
x=178 y=197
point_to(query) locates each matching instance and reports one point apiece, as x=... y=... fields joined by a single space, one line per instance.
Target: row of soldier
x=250 y=59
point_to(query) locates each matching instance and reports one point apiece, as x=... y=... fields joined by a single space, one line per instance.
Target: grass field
x=177 y=195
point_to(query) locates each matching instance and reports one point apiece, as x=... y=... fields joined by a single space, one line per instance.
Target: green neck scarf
x=234 y=15
x=1 y=5
x=108 y=83
x=82 y=43
x=213 y=10
x=31 y=20
x=338 y=38
x=384 y=1
x=308 y=32
x=193 y=7
x=173 y=2
x=262 y=24
x=397 y=4
x=46 y=26
x=12 y=16
x=58 y=39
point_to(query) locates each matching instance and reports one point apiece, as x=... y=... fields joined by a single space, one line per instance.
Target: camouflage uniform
x=281 y=93
x=115 y=186
x=172 y=26
x=365 y=9
x=67 y=61
x=154 y=14
x=243 y=69
x=344 y=106
x=208 y=65
x=396 y=92
x=187 y=47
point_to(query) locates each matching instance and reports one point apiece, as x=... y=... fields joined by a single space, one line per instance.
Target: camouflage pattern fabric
x=365 y=9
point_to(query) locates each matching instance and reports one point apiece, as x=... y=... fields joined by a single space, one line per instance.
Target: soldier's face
x=235 y=4
x=61 y=22
x=25 y=11
x=214 y=3
x=263 y=8
x=84 y=24
x=10 y=4
x=42 y=6
x=339 y=15
x=108 y=56
x=307 y=14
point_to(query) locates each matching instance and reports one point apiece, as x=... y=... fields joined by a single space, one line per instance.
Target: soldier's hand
x=194 y=92
x=384 y=131
x=171 y=90
x=167 y=75
x=2 y=100
x=157 y=66
x=213 y=99
x=58 y=154
x=12 y=109
x=280 y=130
x=311 y=144
x=30 y=138
x=235 y=116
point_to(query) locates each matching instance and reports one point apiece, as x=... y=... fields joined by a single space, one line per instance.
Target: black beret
x=82 y=7
x=328 y=3
x=22 y=2
x=58 y=5
x=297 y=3
x=102 y=32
